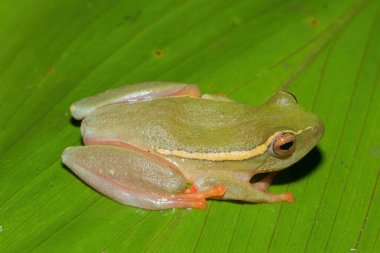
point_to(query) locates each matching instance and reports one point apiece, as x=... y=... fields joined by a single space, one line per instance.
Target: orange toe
x=191 y=189
x=289 y=197
x=217 y=191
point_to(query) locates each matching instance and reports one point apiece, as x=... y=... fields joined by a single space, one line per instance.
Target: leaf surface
x=56 y=52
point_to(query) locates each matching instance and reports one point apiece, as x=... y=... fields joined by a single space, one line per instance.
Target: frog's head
x=294 y=131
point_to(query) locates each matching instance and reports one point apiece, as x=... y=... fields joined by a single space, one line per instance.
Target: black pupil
x=286 y=146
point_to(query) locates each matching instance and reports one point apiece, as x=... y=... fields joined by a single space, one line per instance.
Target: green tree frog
x=159 y=145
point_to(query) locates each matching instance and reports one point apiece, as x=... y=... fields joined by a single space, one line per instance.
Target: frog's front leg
x=132 y=93
x=135 y=178
x=244 y=191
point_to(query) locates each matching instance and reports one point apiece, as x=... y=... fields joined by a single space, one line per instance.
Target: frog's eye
x=294 y=97
x=283 y=145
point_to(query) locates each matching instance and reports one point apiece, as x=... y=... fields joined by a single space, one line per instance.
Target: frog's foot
x=268 y=197
x=263 y=186
x=192 y=198
x=244 y=191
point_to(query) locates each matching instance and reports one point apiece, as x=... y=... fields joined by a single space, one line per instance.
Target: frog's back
x=181 y=123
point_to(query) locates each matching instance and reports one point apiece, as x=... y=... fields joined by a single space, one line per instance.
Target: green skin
x=146 y=142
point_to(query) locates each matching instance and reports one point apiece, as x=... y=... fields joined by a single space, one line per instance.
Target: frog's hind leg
x=263 y=186
x=133 y=178
x=131 y=94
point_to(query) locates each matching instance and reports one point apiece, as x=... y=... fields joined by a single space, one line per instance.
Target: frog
x=161 y=145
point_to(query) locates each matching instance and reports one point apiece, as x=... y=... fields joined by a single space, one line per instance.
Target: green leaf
x=325 y=52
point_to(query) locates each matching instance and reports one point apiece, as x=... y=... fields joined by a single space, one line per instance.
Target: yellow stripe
x=224 y=156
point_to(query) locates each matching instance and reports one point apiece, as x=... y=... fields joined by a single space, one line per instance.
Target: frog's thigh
x=132 y=93
x=240 y=190
x=126 y=176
